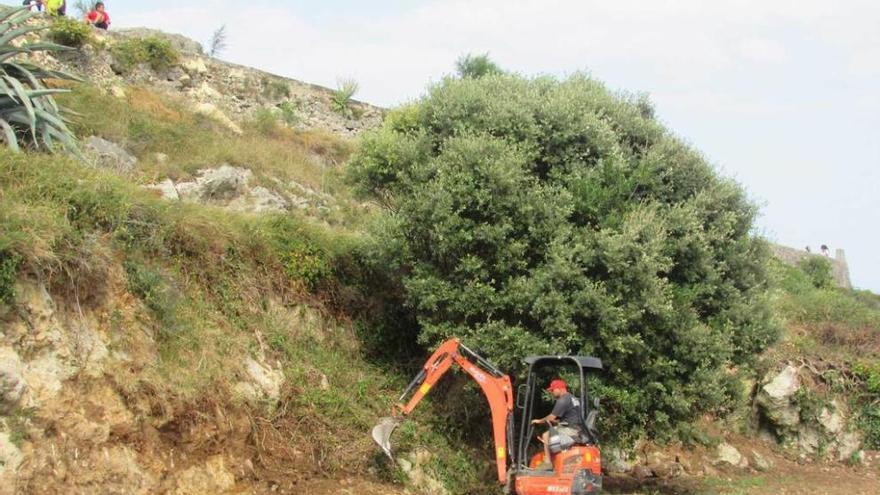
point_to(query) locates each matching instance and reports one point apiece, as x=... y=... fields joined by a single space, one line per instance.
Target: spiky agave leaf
x=29 y=115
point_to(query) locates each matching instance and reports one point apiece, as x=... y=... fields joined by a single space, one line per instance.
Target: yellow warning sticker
x=501 y=453
x=424 y=389
x=588 y=457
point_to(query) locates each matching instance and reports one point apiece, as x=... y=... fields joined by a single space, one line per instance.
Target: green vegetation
x=818 y=269
x=838 y=325
x=275 y=89
x=29 y=116
x=70 y=32
x=146 y=123
x=8 y=275
x=545 y=216
x=154 y=51
x=472 y=66
x=342 y=98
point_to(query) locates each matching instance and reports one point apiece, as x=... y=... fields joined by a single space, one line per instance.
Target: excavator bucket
x=382 y=433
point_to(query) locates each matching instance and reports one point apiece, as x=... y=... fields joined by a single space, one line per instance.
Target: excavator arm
x=495 y=385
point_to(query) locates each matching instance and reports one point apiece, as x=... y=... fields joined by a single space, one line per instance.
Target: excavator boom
x=495 y=385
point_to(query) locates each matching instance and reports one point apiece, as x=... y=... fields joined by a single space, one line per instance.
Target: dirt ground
x=786 y=478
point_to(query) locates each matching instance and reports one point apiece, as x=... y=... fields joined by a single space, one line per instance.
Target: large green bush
x=553 y=216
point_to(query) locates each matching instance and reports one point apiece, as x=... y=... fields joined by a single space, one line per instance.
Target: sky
x=781 y=95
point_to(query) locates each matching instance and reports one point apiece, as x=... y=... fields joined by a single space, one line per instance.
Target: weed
x=149 y=285
x=9 y=264
x=275 y=89
x=342 y=98
x=155 y=51
x=290 y=113
x=70 y=32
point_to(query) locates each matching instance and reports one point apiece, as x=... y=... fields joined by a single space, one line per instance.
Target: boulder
x=194 y=66
x=215 y=184
x=259 y=200
x=760 y=462
x=10 y=458
x=415 y=468
x=166 y=188
x=831 y=419
x=108 y=155
x=729 y=455
x=848 y=445
x=212 y=112
x=775 y=399
x=12 y=382
x=616 y=460
x=262 y=382
x=211 y=477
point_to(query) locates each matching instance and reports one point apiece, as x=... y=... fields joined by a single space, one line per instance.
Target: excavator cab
x=576 y=461
x=577 y=468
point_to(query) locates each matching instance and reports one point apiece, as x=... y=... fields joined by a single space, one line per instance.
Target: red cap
x=557 y=384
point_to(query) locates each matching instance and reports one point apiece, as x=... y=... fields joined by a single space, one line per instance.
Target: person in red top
x=98 y=17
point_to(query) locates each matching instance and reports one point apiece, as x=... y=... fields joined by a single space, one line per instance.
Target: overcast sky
x=782 y=95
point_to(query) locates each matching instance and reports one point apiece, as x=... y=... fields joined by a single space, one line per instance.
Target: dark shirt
x=568 y=410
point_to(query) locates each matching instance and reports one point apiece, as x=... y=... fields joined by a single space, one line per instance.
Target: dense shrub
x=547 y=216
x=70 y=32
x=155 y=51
x=819 y=271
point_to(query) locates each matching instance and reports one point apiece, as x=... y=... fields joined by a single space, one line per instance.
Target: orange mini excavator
x=576 y=462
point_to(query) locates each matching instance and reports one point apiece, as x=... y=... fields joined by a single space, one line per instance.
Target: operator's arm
x=562 y=405
x=550 y=417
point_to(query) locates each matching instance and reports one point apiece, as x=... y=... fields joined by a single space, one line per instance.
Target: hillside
x=196 y=308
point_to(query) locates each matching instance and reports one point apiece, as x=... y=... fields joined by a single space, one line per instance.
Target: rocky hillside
x=190 y=311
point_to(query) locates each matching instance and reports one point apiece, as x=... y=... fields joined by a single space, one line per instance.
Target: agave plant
x=29 y=115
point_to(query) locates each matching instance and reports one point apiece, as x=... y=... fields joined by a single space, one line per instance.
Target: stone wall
x=839 y=268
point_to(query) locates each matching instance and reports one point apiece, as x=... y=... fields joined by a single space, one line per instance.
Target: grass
x=147 y=123
x=156 y=52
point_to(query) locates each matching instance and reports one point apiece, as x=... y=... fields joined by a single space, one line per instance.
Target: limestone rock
x=848 y=444
x=760 y=462
x=808 y=440
x=775 y=399
x=10 y=458
x=194 y=66
x=263 y=382
x=616 y=460
x=211 y=111
x=831 y=420
x=259 y=200
x=166 y=188
x=108 y=155
x=212 y=477
x=12 y=382
x=414 y=468
x=728 y=454
x=215 y=184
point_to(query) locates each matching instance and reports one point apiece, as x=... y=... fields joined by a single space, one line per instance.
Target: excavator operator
x=566 y=412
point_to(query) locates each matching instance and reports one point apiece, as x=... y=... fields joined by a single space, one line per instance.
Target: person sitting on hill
x=55 y=7
x=98 y=17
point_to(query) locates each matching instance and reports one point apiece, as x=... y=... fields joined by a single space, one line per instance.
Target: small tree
x=472 y=66
x=29 y=115
x=218 y=42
